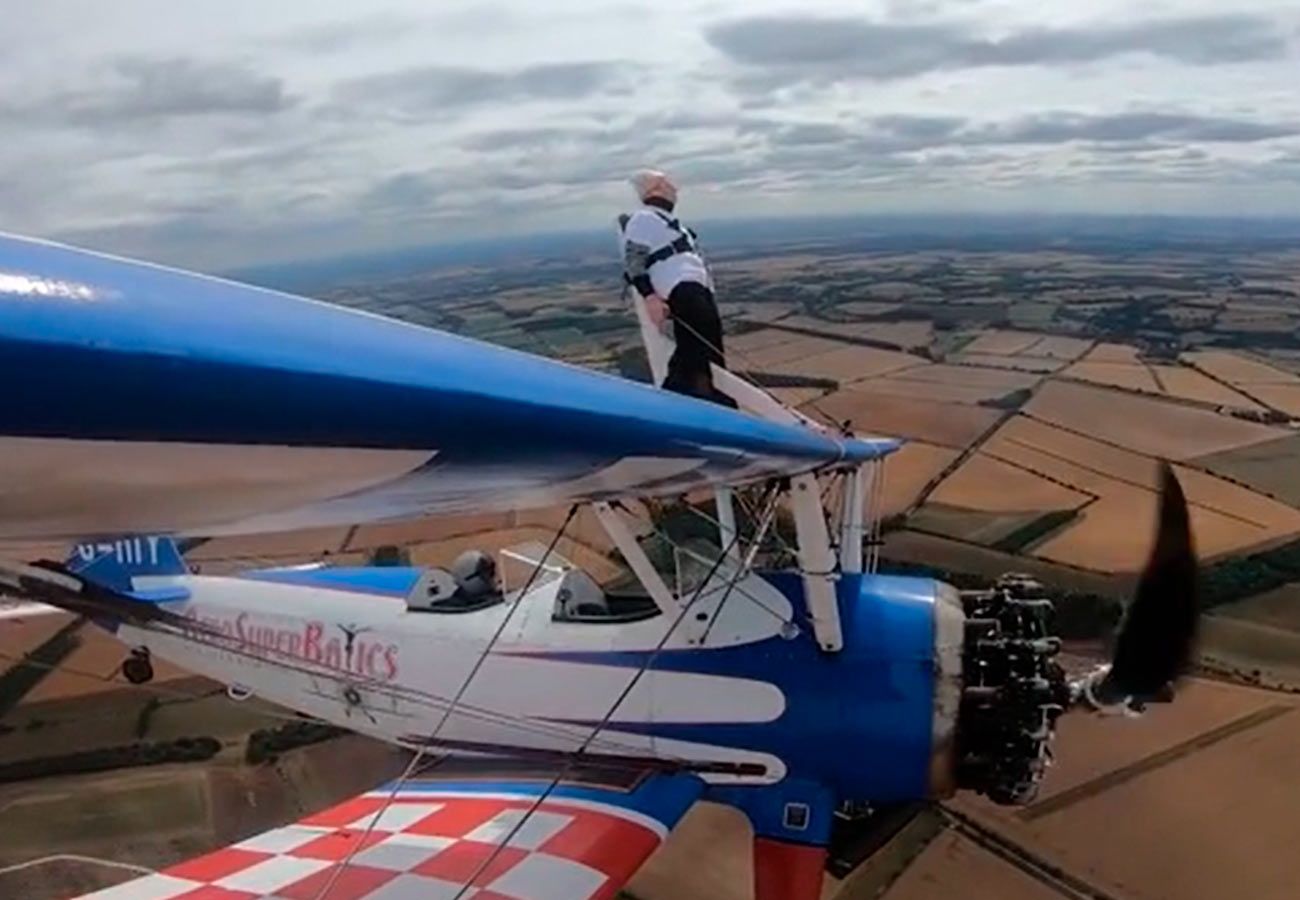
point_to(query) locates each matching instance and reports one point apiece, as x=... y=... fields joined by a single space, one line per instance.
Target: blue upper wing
x=118 y=351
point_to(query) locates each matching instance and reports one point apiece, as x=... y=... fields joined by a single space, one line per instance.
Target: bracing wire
x=604 y=721
x=451 y=708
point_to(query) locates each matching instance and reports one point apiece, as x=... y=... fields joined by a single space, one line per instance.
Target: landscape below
x=1036 y=383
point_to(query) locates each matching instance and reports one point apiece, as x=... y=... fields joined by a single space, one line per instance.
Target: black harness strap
x=683 y=243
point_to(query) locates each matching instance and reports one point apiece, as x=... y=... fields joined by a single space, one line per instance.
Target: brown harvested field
x=916 y=548
x=907 y=473
x=975 y=525
x=847 y=364
x=1003 y=343
x=1088 y=747
x=1203 y=489
x=754 y=341
x=288 y=545
x=1251 y=647
x=1282 y=397
x=796 y=396
x=1055 y=347
x=435 y=528
x=1114 y=533
x=1225 y=516
x=91 y=668
x=930 y=391
x=1078 y=461
x=444 y=552
x=908 y=335
x=954 y=866
x=1212 y=819
x=1015 y=363
x=970 y=376
x=948 y=424
x=706 y=856
x=1113 y=353
x=1278 y=608
x=988 y=484
x=781 y=355
x=1236 y=369
x=1193 y=801
x=1181 y=381
x=904 y=335
x=1134 y=378
x=1148 y=426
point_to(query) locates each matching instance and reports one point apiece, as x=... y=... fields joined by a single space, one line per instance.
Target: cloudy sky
x=220 y=133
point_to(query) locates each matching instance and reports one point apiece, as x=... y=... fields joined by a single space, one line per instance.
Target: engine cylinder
x=1013 y=691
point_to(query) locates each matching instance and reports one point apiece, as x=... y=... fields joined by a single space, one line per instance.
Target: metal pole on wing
x=851 y=528
x=658 y=350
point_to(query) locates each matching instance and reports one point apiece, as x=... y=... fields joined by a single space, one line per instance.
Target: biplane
x=558 y=727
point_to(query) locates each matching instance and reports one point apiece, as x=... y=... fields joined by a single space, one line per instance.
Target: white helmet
x=653 y=183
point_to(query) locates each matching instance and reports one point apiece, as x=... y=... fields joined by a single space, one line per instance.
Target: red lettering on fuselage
x=351 y=653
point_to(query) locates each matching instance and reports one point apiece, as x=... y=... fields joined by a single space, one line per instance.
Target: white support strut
x=817 y=561
x=816 y=556
x=725 y=508
x=658 y=346
x=640 y=564
x=852 y=534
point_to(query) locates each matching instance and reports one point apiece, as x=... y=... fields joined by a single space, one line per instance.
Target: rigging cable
x=420 y=752
x=609 y=714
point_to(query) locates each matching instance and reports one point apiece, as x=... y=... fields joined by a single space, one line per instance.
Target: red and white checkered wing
x=441 y=840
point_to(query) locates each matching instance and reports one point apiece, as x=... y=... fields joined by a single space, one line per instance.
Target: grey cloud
x=402 y=191
x=1121 y=131
x=1055 y=128
x=335 y=37
x=432 y=88
x=794 y=48
x=138 y=90
x=530 y=138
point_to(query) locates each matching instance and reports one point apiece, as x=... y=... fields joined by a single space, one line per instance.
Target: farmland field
x=930 y=391
x=848 y=363
x=908 y=471
x=1192 y=803
x=1113 y=353
x=985 y=483
x=954 y=866
x=1003 y=343
x=1238 y=370
x=1225 y=517
x=1148 y=426
x=949 y=424
x=971 y=376
x=1181 y=381
x=1278 y=608
x=1134 y=378
x=1036 y=364
x=976 y=525
x=1282 y=397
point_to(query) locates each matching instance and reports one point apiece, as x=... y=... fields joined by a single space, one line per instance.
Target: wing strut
x=817 y=558
x=640 y=564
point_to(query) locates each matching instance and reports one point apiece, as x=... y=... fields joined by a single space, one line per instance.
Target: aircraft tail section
x=127 y=566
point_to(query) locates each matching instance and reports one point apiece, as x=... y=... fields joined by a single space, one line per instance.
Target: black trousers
x=697 y=329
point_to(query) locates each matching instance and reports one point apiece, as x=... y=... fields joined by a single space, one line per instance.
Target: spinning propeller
x=1013 y=690
x=1155 y=640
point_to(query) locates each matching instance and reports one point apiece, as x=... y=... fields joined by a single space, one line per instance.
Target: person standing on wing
x=662 y=262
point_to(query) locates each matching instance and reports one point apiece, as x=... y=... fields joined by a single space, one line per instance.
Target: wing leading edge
x=442 y=839
x=161 y=401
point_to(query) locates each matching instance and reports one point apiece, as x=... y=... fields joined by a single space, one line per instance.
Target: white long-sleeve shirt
x=647 y=231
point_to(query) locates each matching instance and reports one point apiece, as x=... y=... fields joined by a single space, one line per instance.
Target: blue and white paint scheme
x=154 y=400
x=728 y=685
